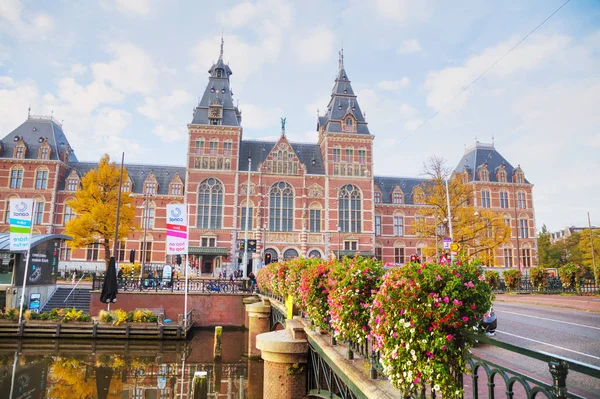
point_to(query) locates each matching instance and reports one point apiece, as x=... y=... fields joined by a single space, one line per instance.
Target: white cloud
x=404 y=10
x=78 y=69
x=16 y=21
x=170 y=134
x=443 y=85
x=130 y=7
x=15 y=99
x=393 y=85
x=240 y=15
x=410 y=46
x=407 y=110
x=256 y=117
x=131 y=71
x=162 y=108
x=314 y=46
x=84 y=98
x=412 y=124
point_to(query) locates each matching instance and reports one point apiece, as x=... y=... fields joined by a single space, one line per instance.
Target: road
x=568 y=333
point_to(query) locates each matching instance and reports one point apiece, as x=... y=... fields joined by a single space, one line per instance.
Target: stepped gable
x=387 y=184
x=35 y=132
x=343 y=104
x=137 y=174
x=216 y=105
x=308 y=154
x=485 y=155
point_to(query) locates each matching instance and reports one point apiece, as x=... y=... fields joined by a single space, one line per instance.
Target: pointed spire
x=29 y=111
x=341 y=59
x=222 y=42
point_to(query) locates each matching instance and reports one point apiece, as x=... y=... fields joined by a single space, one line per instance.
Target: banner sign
x=43 y=264
x=34 y=302
x=447 y=242
x=251 y=245
x=177 y=235
x=21 y=212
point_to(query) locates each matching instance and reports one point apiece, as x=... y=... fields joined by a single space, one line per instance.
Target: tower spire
x=222 y=41
x=341 y=58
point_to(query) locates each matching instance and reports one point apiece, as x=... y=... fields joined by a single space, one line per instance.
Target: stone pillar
x=285 y=355
x=248 y=301
x=259 y=314
x=256 y=372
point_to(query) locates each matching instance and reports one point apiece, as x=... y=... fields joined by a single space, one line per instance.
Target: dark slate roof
x=387 y=185
x=342 y=100
x=259 y=150
x=218 y=90
x=480 y=154
x=34 y=129
x=137 y=173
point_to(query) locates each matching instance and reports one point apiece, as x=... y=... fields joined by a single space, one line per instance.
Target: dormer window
x=175 y=189
x=502 y=176
x=520 y=177
x=44 y=151
x=20 y=151
x=219 y=73
x=377 y=197
x=72 y=184
x=126 y=186
x=483 y=175
x=397 y=197
x=150 y=188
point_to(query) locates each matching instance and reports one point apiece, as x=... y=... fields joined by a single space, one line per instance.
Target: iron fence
x=552 y=285
x=212 y=286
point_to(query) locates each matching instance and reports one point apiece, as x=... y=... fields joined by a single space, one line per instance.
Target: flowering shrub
x=352 y=286
x=493 y=278
x=281 y=269
x=265 y=278
x=538 y=276
x=417 y=320
x=314 y=291
x=570 y=274
x=512 y=278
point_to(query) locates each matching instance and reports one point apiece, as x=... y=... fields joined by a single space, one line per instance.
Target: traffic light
x=267 y=258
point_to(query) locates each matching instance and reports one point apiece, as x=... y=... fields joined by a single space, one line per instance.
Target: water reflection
x=86 y=369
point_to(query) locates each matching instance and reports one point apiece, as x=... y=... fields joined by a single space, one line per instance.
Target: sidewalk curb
x=549 y=305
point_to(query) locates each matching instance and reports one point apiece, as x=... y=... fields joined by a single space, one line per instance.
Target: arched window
x=502 y=176
x=485 y=198
x=210 y=204
x=148 y=215
x=521 y=200
x=314 y=254
x=504 y=199
x=7 y=211
x=199 y=146
x=38 y=210
x=69 y=214
x=16 y=176
x=314 y=217
x=377 y=224
x=281 y=207
x=290 y=253
x=350 y=203
x=41 y=179
x=397 y=197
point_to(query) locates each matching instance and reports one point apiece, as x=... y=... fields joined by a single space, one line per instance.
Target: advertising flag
x=177 y=235
x=21 y=212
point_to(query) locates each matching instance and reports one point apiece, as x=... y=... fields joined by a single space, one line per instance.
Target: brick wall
x=209 y=310
x=278 y=384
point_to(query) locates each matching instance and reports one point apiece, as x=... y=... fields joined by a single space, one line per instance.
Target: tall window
x=227 y=148
x=503 y=199
x=523 y=230
x=508 y=257
x=507 y=220
x=175 y=189
x=520 y=178
x=351 y=245
x=485 y=198
x=526 y=257
x=350 y=218
x=243 y=217
x=16 y=178
x=69 y=214
x=337 y=154
x=397 y=198
x=315 y=221
x=378 y=253
x=148 y=216
x=92 y=252
x=210 y=204
x=7 y=212
x=20 y=152
x=502 y=176
x=146 y=256
x=399 y=255
x=65 y=251
x=73 y=184
x=41 y=179
x=521 y=202
x=208 y=242
x=377 y=197
x=212 y=150
x=199 y=146
x=484 y=175
x=38 y=212
x=377 y=225
x=150 y=187
x=349 y=155
x=44 y=152
x=281 y=207
x=121 y=251
x=362 y=155
x=398 y=225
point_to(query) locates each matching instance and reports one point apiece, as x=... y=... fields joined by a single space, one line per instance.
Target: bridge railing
x=552 y=285
x=212 y=286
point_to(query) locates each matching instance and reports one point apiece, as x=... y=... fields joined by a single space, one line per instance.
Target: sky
x=125 y=75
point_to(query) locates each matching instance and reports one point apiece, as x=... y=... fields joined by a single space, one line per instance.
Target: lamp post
x=339 y=229
x=245 y=266
x=145 y=220
x=449 y=219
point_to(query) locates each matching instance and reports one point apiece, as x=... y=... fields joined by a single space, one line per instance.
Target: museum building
x=304 y=199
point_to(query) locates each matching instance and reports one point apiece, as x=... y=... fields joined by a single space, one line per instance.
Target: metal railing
x=70 y=293
x=552 y=285
x=175 y=285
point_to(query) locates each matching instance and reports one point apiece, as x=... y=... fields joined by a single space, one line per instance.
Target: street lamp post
x=339 y=229
x=449 y=219
x=245 y=266
x=145 y=220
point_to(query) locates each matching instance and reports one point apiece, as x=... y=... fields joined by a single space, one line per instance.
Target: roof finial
x=29 y=112
x=283 y=120
x=492 y=139
x=222 y=41
x=341 y=58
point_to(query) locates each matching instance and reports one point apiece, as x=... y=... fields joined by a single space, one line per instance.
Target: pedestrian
x=252 y=278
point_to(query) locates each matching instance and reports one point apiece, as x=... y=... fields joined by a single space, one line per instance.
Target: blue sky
x=126 y=74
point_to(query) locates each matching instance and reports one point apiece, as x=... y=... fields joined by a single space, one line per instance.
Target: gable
x=283 y=160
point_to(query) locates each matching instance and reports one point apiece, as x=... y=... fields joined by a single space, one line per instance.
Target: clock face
x=214 y=113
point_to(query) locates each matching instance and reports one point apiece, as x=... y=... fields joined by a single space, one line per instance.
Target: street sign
x=455 y=247
x=251 y=245
x=447 y=242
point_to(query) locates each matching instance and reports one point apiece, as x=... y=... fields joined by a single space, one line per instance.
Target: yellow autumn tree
x=96 y=207
x=478 y=231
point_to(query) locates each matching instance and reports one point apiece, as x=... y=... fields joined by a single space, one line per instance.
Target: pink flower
x=446 y=299
x=449 y=337
x=465 y=319
x=482 y=277
x=469 y=284
x=473 y=307
x=444 y=347
x=438 y=277
x=416 y=380
x=394 y=334
x=457 y=274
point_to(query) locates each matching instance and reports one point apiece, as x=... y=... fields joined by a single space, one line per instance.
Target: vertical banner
x=21 y=212
x=177 y=236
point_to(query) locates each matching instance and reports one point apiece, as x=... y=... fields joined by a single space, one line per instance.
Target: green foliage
x=143 y=316
x=493 y=278
x=417 y=321
x=10 y=314
x=570 y=274
x=539 y=276
x=72 y=315
x=512 y=278
x=105 y=316
x=587 y=239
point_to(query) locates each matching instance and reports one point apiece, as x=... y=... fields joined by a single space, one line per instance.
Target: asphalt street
x=568 y=333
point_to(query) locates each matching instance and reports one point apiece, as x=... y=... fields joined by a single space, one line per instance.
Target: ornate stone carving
x=316 y=239
x=244 y=186
x=292 y=238
x=315 y=191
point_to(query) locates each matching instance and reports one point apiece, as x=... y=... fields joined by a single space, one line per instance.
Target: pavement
x=580 y=303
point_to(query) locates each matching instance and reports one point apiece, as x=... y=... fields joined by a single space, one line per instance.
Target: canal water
x=111 y=369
